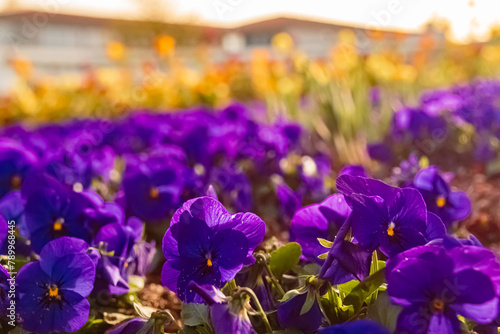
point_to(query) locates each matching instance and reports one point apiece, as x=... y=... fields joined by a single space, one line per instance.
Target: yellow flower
x=282 y=42
x=165 y=45
x=115 y=50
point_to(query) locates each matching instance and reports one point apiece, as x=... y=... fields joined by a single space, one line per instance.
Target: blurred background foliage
x=347 y=98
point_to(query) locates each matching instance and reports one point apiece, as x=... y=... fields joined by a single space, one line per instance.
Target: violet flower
x=227 y=315
x=461 y=280
x=16 y=162
x=53 y=210
x=207 y=245
x=449 y=205
x=53 y=291
x=152 y=187
x=318 y=221
x=388 y=218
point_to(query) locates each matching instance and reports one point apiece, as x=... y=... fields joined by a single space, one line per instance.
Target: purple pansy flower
x=346 y=260
x=318 y=221
x=435 y=284
x=111 y=274
x=388 y=218
x=207 y=245
x=16 y=162
x=449 y=205
x=226 y=315
x=289 y=200
x=152 y=186
x=234 y=185
x=53 y=210
x=53 y=291
x=122 y=241
x=355 y=327
x=120 y=238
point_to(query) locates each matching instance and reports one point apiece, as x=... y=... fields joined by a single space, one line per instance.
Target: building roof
x=274 y=23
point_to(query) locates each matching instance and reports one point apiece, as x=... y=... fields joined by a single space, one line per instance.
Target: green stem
x=375 y=269
x=262 y=259
x=231 y=285
x=260 y=310
x=323 y=312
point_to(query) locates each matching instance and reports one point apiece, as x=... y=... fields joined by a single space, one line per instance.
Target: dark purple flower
x=16 y=162
x=290 y=201
x=404 y=174
x=346 y=260
x=53 y=291
x=12 y=208
x=152 y=186
x=449 y=205
x=227 y=315
x=207 y=245
x=111 y=274
x=120 y=238
x=71 y=163
x=294 y=314
x=52 y=211
x=143 y=255
x=234 y=186
x=355 y=327
x=388 y=218
x=318 y=221
x=461 y=280
x=380 y=152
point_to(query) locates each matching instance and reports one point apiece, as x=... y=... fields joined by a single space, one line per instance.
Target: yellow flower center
x=53 y=291
x=58 y=224
x=209 y=262
x=438 y=305
x=441 y=201
x=154 y=192
x=15 y=182
x=390 y=229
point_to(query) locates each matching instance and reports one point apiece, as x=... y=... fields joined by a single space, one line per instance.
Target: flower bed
x=219 y=221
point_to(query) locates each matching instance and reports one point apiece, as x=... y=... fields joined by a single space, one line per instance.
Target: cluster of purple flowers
x=464 y=119
x=91 y=198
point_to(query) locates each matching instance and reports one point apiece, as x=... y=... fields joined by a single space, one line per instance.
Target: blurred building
x=63 y=43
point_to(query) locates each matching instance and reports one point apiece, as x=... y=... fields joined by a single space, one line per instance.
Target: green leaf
x=290 y=294
x=310 y=299
x=364 y=289
x=323 y=256
x=346 y=288
x=384 y=312
x=285 y=258
x=325 y=243
x=194 y=314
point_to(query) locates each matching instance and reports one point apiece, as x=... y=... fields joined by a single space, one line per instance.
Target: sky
x=465 y=16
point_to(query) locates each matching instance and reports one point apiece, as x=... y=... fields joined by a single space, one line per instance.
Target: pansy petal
x=408 y=210
x=369 y=215
x=229 y=248
x=349 y=185
x=461 y=205
x=435 y=227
